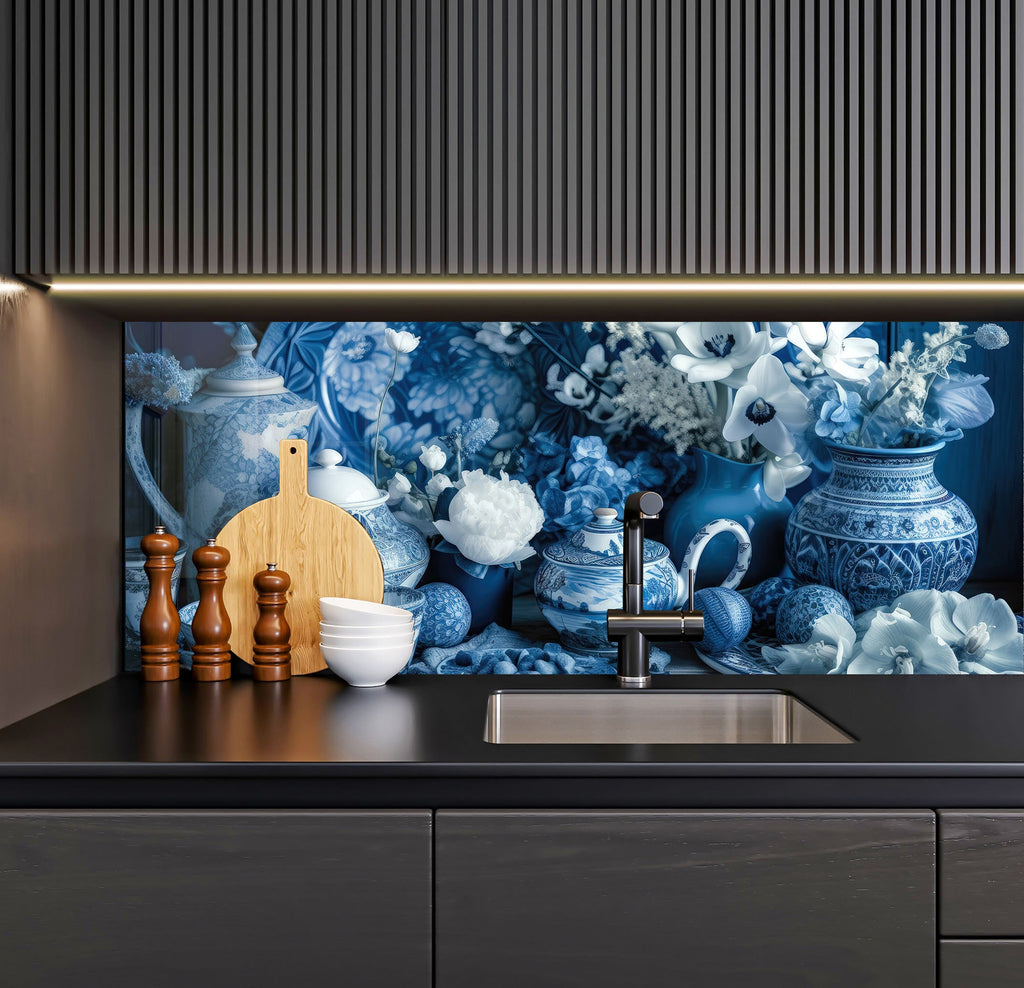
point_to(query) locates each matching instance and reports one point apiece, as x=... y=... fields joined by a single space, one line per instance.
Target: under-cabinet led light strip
x=968 y=285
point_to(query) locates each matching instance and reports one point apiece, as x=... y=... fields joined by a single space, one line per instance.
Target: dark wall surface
x=519 y=136
x=60 y=501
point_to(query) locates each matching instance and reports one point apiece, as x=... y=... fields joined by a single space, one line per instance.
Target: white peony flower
x=767 y=407
x=895 y=643
x=721 y=351
x=398 y=487
x=783 y=472
x=401 y=341
x=491 y=520
x=830 y=351
x=828 y=651
x=433 y=458
x=436 y=485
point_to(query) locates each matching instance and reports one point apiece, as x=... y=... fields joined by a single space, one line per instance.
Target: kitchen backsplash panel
x=561 y=419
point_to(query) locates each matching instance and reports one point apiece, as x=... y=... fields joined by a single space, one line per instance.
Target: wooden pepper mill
x=160 y=624
x=211 y=626
x=271 y=652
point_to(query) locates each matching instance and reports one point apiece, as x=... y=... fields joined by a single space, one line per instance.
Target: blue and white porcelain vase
x=403 y=551
x=580 y=579
x=233 y=427
x=726 y=488
x=488 y=589
x=881 y=526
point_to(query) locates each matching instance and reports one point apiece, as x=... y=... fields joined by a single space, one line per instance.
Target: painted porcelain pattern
x=881 y=526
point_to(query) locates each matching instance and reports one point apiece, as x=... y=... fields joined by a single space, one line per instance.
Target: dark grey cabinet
x=376 y=137
x=607 y=898
x=982 y=868
x=215 y=898
x=981 y=963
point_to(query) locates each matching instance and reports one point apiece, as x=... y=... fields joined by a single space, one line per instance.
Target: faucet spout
x=633 y=627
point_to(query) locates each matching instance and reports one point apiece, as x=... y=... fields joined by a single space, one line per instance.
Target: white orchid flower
x=827 y=652
x=721 y=351
x=783 y=472
x=767 y=407
x=433 y=458
x=831 y=350
x=982 y=631
x=896 y=644
x=401 y=341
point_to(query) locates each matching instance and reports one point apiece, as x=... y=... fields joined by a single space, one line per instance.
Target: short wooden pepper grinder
x=211 y=626
x=160 y=624
x=271 y=652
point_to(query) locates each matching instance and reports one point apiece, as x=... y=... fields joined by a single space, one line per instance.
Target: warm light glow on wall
x=470 y=286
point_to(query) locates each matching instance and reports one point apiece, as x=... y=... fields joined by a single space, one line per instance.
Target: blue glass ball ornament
x=446 y=615
x=765 y=599
x=726 y=617
x=794 y=620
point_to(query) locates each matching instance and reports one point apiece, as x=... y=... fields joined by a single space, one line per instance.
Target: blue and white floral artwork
x=461 y=425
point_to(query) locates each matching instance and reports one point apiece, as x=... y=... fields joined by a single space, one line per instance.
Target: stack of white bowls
x=365 y=643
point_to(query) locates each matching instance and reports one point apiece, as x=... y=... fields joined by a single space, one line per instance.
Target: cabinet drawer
x=981 y=874
x=612 y=898
x=981 y=963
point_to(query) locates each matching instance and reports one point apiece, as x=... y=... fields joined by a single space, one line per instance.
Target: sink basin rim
x=684 y=717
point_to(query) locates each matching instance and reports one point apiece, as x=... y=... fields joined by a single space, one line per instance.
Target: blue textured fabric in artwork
x=496 y=651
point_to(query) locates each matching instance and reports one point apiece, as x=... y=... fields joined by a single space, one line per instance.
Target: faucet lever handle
x=690 y=580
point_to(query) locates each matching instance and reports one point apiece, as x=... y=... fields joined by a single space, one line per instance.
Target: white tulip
x=433 y=458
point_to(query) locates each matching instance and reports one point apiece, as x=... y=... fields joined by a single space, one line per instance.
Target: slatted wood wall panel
x=514 y=136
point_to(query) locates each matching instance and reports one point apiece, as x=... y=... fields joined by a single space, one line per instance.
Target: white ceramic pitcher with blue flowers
x=580 y=579
x=233 y=428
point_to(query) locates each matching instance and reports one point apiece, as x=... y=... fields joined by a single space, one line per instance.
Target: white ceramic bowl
x=361 y=666
x=326 y=628
x=383 y=640
x=343 y=610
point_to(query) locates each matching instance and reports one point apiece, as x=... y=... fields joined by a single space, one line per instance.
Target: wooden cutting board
x=325 y=551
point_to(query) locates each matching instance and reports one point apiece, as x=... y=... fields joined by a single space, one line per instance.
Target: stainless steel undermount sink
x=655 y=717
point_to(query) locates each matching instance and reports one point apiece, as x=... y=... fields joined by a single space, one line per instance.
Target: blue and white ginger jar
x=881 y=526
x=403 y=550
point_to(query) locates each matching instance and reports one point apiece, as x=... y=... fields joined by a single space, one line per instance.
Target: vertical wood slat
x=518 y=136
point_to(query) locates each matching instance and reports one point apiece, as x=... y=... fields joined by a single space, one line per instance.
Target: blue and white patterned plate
x=741 y=660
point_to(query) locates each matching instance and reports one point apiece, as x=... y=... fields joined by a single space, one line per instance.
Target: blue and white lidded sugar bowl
x=402 y=549
x=580 y=579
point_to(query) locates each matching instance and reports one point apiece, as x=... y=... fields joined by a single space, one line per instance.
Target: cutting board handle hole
x=293 y=450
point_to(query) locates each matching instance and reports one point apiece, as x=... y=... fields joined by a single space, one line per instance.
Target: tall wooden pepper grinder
x=211 y=626
x=160 y=624
x=271 y=652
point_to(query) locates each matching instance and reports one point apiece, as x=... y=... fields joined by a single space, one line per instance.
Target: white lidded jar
x=402 y=549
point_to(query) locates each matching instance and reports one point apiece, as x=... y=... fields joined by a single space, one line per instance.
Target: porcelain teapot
x=580 y=579
x=233 y=427
x=403 y=551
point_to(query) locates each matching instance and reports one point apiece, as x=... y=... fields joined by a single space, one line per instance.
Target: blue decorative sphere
x=765 y=599
x=794 y=620
x=446 y=615
x=726 y=617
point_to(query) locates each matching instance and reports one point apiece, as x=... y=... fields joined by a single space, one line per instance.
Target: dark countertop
x=921 y=742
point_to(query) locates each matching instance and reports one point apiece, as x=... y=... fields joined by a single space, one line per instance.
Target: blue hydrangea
x=839 y=413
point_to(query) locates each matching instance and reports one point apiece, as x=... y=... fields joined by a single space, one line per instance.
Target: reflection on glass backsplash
x=874 y=469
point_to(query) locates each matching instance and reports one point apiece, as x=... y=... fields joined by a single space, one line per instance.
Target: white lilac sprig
x=399 y=342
